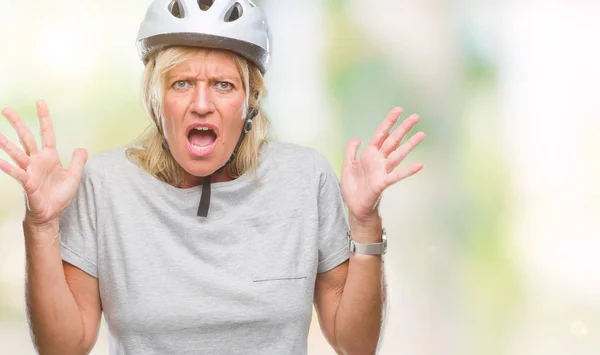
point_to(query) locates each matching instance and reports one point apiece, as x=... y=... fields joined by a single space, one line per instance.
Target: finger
x=46 y=130
x=16 y=154
x=401 y=152
x=383 y=130
x=401 y=174
x=352 y=149
x=23 y=131
x=17 y=173
x=79 y=159
x=392 y=142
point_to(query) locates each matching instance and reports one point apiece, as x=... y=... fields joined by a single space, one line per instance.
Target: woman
x=204 y=238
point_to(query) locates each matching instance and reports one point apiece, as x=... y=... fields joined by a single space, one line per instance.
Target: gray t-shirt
x=238 y=282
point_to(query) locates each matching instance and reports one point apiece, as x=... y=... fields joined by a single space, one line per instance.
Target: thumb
x=352 y=149
x=80 y=157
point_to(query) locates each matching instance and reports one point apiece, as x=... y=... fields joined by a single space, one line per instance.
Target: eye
x=180 y=84
x=224 y=85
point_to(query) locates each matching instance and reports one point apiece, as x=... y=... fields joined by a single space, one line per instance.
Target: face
x=204 y=108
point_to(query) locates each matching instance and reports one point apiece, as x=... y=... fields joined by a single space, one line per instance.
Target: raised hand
x=364 y=180
x=49 y=188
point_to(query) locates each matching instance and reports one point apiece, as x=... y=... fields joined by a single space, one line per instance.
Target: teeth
x=199 y=128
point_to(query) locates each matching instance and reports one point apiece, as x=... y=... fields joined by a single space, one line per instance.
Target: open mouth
x=202 y=140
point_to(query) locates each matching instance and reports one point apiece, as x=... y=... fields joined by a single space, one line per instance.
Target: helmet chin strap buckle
x=249 y=118
x=248 y=126
x=252 y=114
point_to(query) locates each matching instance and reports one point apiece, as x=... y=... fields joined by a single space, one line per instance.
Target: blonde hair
x=149 y=153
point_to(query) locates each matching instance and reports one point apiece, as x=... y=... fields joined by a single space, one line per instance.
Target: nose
x=202 y=102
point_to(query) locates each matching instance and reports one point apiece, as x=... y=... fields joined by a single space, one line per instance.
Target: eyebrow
x=226 y=77
x=219 y=77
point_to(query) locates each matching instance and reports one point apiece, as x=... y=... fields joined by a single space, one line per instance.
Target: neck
x=192 y=181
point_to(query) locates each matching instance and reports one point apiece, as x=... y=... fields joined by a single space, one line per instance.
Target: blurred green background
x=493 y=248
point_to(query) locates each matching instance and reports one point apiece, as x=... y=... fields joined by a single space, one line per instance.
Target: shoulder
x=297 y=160
x=287 y=151
x=106 y=162
x=294 y=155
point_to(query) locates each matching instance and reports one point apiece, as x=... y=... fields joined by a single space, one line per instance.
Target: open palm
x=49 y=187
x=364 y=180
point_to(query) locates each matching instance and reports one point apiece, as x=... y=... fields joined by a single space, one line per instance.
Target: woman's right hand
x=49 y=187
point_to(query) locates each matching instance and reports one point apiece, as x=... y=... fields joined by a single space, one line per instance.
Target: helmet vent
x=234 y=13
x=176 y=9
x=205 y=4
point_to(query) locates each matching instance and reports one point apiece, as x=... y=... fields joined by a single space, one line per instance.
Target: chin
x=201 y=167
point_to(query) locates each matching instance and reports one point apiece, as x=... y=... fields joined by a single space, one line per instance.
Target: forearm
x=54 y=317
x=360 y=312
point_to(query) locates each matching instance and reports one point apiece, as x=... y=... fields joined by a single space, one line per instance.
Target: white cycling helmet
x=235 y=25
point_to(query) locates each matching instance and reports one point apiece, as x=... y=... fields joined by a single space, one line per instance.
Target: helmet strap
x=205 y=198
x=165 y=145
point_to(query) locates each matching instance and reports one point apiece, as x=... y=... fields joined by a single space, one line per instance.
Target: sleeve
x=333 y=223
x=78 y=222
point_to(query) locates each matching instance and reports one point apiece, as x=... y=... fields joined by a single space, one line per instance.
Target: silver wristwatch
x=368 y=249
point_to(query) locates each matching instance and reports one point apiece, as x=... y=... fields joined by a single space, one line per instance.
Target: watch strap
x=368 y=249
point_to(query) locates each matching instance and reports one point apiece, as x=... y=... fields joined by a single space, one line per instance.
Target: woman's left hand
x=364 y=180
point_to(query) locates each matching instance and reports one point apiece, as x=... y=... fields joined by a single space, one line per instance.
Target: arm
x=63 y=302
x=353 y=317
x=349 y=299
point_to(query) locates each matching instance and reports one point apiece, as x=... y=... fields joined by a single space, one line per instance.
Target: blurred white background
x=493 y=247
